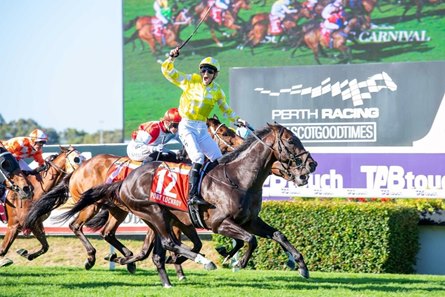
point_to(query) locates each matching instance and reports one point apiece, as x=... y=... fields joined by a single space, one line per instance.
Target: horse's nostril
x=27 y=189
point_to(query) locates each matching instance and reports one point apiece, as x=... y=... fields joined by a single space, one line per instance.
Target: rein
x=60 y=169
x=12 y=186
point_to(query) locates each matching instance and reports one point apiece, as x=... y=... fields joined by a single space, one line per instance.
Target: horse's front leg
x=218 y=43
x=262 y=229
x=11 y=233
x=39 y=233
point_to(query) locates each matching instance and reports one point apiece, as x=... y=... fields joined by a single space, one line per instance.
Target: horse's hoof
x=220 y=44
x=88 y=265
x=131 y=267
x=291 y=264
x=210 y=266
x=304 y=272
x=6 y=262
x=182 y=278
x=110 y=257
x=167 y=286
x=22 y=252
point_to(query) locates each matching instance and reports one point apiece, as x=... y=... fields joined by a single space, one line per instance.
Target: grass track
x=65 y=281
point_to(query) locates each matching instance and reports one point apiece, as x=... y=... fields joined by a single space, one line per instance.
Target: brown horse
x=58 y=166
x=258 y=27
x=311 y=35
x=229 y=18
x=226 y=138
x=94 y=172
x=233 y=187
x=146 y=27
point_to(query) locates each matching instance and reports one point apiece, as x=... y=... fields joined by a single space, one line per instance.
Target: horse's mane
x=251 y=138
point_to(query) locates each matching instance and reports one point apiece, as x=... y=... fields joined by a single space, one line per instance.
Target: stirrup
x=196 y=200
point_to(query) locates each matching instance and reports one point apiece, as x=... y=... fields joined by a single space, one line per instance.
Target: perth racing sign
x=343 y=105
x=376 y=130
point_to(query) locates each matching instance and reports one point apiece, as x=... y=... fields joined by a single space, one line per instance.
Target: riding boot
x=194 y=198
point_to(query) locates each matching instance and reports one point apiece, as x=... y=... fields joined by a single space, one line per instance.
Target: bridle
x=291 y=157
x=12 y=186
x=76 y=161
x=216 y=135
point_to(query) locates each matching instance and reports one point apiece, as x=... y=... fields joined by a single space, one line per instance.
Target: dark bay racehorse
x=58 y=166
x=233 y=187
x=94 y=172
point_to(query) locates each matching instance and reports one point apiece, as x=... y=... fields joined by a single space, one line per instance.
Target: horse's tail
x=105 y=192
x=99 y=220
x=130 y=24
x=48 y=202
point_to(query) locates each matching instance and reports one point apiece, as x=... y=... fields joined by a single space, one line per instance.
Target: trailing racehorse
x=57 y=167
x=419 y=5
x=151 y=30
x=217 y=18
x=260 y=26
x=311 y=35
x=233 y=187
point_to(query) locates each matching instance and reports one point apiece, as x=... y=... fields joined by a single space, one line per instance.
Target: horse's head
x=293 y=161
x=358 y=24
x=12 y=176
x=226 y=138
x=68 y=160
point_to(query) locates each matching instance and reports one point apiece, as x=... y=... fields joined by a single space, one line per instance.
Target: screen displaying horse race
x=266 y=33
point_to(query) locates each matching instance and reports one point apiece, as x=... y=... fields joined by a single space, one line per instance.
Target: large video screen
x=243 y=35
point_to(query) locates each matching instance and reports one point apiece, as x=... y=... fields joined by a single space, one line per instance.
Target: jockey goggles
x=207 y=69
x=173 y=125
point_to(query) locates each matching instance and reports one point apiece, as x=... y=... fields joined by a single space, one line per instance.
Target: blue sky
x=61 y=63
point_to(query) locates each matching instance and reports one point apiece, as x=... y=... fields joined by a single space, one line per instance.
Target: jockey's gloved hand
x=174 y=52
x=160 y=148
x=41 y=168
x=242 y=123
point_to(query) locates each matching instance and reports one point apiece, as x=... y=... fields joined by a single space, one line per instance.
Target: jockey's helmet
x=210 y=62
x=172 y=115
x=38 y=135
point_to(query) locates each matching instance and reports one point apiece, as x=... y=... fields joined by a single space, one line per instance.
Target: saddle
x=121 y=169
x=170 y=187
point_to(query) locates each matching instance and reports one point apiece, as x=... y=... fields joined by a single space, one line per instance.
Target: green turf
x=147 y=94
x=58 y=281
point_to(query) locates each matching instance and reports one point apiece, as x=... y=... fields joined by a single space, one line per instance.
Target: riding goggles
x=208 y=70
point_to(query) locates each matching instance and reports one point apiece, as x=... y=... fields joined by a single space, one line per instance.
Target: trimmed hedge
x=340 y=236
